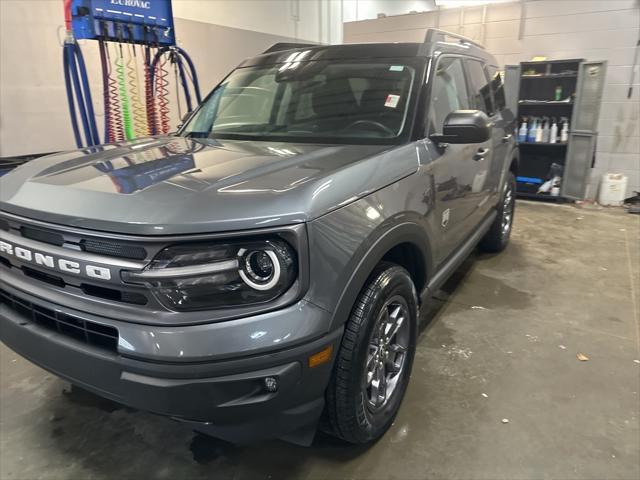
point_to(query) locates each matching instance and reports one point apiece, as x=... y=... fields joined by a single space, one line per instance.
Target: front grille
x=115 y=295
x=43 y=236
x=113 y=249
x=44 y=277
x=91 y=333
x=99 y=246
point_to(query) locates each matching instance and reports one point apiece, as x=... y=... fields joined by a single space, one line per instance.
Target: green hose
x=126 y=112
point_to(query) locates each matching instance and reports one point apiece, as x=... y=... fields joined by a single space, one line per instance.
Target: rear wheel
x=374 y=362
x=497 y=238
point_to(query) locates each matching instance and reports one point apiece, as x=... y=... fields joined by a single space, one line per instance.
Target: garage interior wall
x=218 y=35
x=589 y=29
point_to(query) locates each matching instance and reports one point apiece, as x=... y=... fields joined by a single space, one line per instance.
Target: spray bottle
x=531 y=136
x=564 y=134
x=553 y=134
x=539 y=132
x=545 y=130
x=522 y=133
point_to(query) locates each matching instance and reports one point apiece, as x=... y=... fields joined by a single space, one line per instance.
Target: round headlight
x=260 y=269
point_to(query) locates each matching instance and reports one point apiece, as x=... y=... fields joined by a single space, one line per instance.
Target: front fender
x=348 y=243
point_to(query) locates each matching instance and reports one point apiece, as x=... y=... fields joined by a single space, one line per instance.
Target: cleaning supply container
x=613 y=187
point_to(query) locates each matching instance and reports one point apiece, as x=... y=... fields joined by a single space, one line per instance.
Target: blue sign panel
x=139 y=21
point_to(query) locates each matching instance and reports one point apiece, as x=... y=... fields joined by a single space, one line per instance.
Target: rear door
x=452 y=167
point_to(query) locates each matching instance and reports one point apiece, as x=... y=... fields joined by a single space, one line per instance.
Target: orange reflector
x=323 y=356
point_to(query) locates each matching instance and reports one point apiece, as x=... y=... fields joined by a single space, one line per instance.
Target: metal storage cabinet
x=530 y=95
x=583 y=132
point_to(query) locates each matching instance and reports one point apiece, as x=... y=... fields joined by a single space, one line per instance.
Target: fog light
x=271 y=384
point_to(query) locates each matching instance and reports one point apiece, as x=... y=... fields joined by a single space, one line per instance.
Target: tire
x=355 y=408
x=497 y=238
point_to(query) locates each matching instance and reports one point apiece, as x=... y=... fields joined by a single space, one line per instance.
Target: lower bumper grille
x=91 y=333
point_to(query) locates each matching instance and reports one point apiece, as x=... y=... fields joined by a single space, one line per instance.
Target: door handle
x=480 y=154
x=506 y=138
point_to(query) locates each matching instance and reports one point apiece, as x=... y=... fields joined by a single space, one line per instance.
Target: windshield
x=315 y=101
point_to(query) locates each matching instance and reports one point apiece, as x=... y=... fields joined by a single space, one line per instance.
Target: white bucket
x=613 y=187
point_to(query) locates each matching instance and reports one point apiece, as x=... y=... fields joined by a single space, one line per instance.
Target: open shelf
x=545 y=103
x=540 y=84
x=542 y=144
x=552 y=75
x=541 y=196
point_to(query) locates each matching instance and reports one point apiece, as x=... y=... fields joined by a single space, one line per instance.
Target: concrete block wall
x=589 y=29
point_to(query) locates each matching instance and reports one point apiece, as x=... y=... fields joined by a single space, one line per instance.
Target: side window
x=448 y=92
x=480 y=88
x=497 y=87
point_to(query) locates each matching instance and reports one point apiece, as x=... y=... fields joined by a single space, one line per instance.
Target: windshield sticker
x=392 y=101
x=396 y=68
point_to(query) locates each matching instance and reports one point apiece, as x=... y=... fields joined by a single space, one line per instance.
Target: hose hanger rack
x=136 y=44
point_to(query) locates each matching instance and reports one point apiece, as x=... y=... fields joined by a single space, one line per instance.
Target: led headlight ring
x=244 y=265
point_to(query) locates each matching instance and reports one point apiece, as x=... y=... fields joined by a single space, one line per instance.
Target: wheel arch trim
x=401 y=233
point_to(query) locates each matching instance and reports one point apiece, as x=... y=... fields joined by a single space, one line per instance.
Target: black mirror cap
x=465 y=126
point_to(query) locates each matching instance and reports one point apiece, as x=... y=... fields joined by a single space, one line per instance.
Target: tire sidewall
x=510 y=182
x=373 y=425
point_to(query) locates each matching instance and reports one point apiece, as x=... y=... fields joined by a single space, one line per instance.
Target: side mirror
x=464 y=126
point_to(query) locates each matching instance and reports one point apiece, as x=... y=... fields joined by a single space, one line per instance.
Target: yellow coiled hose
x=140 y=125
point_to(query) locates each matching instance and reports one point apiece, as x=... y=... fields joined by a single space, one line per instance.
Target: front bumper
x=226 y=398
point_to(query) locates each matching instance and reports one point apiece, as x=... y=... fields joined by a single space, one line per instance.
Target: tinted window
x=449 y=91
x=348 y=102
x=480 y=88
x=497 y=87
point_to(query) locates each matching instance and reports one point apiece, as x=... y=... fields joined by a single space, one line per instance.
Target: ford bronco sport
x=260 y=272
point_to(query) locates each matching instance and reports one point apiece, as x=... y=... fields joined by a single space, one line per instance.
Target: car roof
x=436 y=42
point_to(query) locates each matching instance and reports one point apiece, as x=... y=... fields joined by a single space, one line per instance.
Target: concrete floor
x=499 y=343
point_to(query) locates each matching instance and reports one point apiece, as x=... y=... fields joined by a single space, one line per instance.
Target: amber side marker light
x=322 y=357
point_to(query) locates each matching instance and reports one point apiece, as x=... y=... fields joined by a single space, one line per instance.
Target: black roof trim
x=280 y=46
x=435 y=42
x=434 y=35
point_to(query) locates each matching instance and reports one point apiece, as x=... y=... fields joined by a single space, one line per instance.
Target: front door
x=458 y=171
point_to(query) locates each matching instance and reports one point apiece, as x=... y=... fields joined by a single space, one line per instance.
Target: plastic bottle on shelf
x=531 y=136
x=539 y=132
x=553 y=134
x=564 y=134
x=522 y=133
x=546 y=130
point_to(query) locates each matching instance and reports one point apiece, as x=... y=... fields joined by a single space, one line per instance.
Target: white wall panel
x=554 y=8
x=611 y=144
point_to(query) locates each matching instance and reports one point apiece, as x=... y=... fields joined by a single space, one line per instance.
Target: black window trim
x=483 y=66
x=430 y=80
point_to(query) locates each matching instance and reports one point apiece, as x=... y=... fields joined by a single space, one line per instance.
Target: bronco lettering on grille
x=62 y=264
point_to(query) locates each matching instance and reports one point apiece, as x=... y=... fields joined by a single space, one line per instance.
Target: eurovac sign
x=145 y=4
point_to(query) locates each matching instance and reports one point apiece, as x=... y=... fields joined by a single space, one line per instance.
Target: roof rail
x=280 y=46
x=435 y=35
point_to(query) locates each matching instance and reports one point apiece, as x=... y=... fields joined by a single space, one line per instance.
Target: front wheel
x=497 y=238
x=375 y=358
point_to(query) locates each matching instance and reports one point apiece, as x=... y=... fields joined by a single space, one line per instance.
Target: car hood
x=176 y=185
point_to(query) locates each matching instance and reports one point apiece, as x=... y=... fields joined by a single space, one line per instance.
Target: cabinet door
x=586 y=107
x=512 y=87
x=578 y=163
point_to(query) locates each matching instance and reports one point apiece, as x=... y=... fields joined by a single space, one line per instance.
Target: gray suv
x=260 y=272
